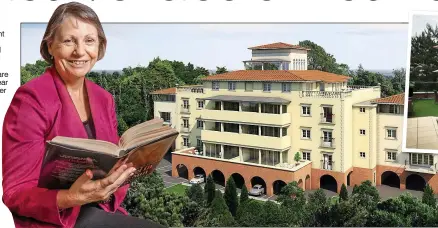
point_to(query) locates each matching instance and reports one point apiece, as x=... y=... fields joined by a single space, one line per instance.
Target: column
x=222 y=151
x=222 y=105
x=204 y=151
x=260 y=130
x=281 y=132
x=281 y=109
x=260 y=156
x=222 y=127
x=240 y=128
x=240 y=106
x=240 y=154
x=260 y=107
x=281 y=157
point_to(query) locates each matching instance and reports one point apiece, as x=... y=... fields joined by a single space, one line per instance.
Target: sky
x=419 y=23
x=375 y=46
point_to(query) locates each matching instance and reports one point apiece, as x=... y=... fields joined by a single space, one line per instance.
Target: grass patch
x=425 y=108
x=179 y=189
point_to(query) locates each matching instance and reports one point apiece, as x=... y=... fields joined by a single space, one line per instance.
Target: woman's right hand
x=85 y=190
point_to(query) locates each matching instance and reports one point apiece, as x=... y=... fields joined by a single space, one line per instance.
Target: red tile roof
x=165 y=91
x=277 y=75
x=395 y=99
x=279 y=45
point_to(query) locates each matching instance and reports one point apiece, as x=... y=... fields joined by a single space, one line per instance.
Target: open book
x=143 y=145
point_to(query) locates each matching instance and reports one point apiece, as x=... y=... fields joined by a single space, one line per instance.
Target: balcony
x=327 y=142
x=247 y=117
x=185 y=128
x=327 y=118
x=275 y=143
x=327 y=165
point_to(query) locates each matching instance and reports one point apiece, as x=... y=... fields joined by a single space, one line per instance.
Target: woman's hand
x=85 y=190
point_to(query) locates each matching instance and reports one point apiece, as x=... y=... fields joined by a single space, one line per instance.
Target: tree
x=343 y=195
x=366 y=195
x=424 y=58
x=243 y=194
x=190 y=213
x=292 y=202
x=297 y=157
x=429 y=197
x=316 y=210
x=221 y=70
x=209 y=190
x=250 y=214
x=218 y=213
x=195 y=193
x=319 y=59
x=230 y=196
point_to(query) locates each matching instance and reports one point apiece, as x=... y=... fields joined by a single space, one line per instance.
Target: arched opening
x=277 y=186
x=218 y=177
x=390 y=179
x=415 y=182
x=258 y=181
x=307 y=182
x=329 y=183
x=300 y=183
x=349 y=178
x=238 y=180
x=199 y=171
x=182 y=171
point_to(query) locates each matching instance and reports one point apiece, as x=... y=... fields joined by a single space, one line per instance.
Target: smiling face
x=75 y=48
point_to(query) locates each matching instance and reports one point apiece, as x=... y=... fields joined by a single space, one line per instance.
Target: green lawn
x=425 y=108
x=178 y=189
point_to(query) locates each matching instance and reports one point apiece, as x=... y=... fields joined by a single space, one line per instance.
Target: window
x=200 y=123
x=421 y=159
x=248 y=86
x=286 y=87
x=294 y=64
x=285 y=66
x=391 y=156
x=362 y=131
x=185 y=104
x=284 y=108
x=306 y=155
x=165 y=116
x=392 y=109
x=266 y=87
x=186 y=141
x=391 y=133
x=362 y=110
x=186 y=123
x=305 y=110
x=362 y=154
x=305 y=133
x=232 y=86
x=200 y=104
x=215 y=85
x=199 y=143
x=284 y=131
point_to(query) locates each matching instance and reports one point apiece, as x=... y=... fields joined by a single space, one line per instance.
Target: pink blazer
x=40 y=110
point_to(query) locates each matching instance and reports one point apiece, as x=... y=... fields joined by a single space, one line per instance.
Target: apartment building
x=250 y=124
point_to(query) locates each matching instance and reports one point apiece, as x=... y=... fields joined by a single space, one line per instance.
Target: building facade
x=284 y=123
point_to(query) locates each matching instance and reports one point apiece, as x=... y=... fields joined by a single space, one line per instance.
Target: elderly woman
x=63 y=102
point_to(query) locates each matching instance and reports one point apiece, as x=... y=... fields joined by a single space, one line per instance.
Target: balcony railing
x=327 y=165
x=185 y=128
x=327 y=142
x=185 y=108
x=328 y=118
x=325 y=94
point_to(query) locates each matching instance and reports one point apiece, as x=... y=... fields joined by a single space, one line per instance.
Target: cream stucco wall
x=166 y=106
x=385 y=121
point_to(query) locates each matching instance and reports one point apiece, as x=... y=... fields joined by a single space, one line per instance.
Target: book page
x=143 y=127
x=88 y=144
